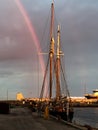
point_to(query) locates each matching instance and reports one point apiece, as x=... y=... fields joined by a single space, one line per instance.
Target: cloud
x=79 y=38
x=15 y=39
x=79 y=29
x=5 y=74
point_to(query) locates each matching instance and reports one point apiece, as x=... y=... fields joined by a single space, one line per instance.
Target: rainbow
x=32 y=32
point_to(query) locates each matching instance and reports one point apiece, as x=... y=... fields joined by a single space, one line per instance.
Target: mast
x=51 y=56
x=51 y=53
x=51 y=64
x=52 y=21
x=58 y=94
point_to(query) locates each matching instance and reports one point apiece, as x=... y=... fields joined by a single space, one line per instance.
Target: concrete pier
x=23 y=119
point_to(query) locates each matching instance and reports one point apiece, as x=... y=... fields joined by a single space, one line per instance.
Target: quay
x=21 y=118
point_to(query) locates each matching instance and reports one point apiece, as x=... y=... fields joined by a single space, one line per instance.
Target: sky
x=20 y=66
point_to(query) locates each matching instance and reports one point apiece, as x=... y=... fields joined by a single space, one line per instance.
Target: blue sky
x=18 y=56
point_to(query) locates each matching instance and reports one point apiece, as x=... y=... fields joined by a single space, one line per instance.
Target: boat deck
x=23 y=119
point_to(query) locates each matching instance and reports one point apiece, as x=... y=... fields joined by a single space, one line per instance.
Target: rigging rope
x=43 y=85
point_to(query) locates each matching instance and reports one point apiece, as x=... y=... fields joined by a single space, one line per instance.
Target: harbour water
x=86 y=116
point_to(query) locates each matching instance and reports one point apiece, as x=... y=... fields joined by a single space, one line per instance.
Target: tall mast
x=58 y=94
x=52 y=20
x=51 y=54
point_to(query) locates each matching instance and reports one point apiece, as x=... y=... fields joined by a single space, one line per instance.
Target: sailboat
x=55 y=69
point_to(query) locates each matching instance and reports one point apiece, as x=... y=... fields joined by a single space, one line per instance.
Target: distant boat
x=94 y=95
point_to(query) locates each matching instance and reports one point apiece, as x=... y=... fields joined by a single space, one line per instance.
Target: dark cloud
x=79 y=29
x=15 y=39
x=4 y=74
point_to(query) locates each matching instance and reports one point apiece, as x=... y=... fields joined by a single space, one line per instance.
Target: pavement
x=24 y=119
